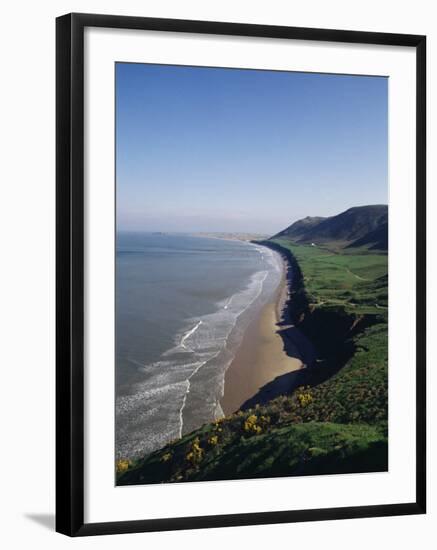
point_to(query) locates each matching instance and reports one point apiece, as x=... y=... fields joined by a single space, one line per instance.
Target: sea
x=182 y=305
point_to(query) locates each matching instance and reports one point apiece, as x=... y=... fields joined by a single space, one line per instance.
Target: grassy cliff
x=334 y=417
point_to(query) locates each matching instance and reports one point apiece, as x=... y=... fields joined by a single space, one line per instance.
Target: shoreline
x=262 y=355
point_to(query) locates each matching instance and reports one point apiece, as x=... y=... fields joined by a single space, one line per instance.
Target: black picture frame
x=70 y=273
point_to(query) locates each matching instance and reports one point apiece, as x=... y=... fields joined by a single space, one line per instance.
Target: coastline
x=287 y=423
x=262 y=355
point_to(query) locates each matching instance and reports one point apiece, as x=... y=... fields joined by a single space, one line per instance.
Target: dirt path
x=355 y=275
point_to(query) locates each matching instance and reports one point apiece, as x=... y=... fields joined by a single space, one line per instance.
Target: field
x=353 y=278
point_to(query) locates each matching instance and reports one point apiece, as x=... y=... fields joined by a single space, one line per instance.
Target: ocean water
x=182 y=305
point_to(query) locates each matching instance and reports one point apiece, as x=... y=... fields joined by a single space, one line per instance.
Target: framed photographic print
x=240 y=274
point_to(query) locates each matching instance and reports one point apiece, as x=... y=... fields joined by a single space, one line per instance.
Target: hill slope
x=298 y=229
x=375 y=240
x=357 y=226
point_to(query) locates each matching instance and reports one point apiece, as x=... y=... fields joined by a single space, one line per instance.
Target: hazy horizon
x=245 y=151
x=224 y=230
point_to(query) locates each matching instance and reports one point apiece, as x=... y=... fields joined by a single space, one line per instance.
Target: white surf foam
x=188 y=334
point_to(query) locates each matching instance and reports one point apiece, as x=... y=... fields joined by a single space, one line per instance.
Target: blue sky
x=205 y=149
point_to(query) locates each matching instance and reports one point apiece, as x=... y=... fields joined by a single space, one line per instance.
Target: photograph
x=251 y=274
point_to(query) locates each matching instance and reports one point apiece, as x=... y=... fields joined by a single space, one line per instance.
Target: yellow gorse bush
x=217 y=424
x=250 y=424
x=195 y=454
x=213 y=440
x=122 y=465
x=304 y=396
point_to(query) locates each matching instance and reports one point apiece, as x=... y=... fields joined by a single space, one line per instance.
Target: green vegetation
x=285 y=449
x=334 y=423
x=355 y=279
x=344 y=309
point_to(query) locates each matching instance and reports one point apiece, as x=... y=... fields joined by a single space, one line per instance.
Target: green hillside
x=229 y=451
x=358 y=226
x=355 y=278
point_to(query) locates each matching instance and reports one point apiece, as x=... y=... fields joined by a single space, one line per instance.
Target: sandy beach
x=261 y=356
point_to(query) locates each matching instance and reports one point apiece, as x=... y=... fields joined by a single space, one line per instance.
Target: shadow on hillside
x=315 y=371
x=281 y=385
x=321 y=339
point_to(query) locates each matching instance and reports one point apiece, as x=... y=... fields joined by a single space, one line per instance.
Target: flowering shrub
x=251 y=424
x=213 y=440
x=304 y=396
x=195 y=454
x=166 y=457
x=122 y=465
x=218 y=423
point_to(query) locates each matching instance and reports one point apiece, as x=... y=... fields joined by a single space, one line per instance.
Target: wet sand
x=261 y=356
